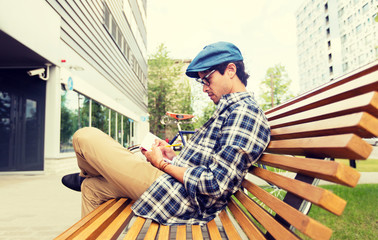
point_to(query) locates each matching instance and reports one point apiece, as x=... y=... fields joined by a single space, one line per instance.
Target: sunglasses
x=205 y=79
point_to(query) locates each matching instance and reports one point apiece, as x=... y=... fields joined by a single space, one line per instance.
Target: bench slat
x=164 y=232
x=213 y=230
x=85 y=221
x=245 y=223
x=181 y=232
x=348 y=146
x=300 y=221
x=197 y=232
x=318 y=196
x=103 y=221
x=364 y=103
x=152 y=231
x=264 y=218
x=352 y=76
x=119 y=223
x=135 y=229
x=361 y=85
x=327 y=170
x=229 y=228
x=361 y=124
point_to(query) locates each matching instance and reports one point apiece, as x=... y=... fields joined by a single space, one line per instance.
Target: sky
x=264 y=31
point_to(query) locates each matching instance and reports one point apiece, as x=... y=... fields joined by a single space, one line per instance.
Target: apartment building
x=334 y=37
x=65 y=65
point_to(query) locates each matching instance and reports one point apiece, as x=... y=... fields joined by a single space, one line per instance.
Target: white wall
x=36 y=25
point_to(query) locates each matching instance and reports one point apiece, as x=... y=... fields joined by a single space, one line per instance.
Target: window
x=365 y=8
x=126 y=50
x=358 y=28
x=76 y=112
x=119 y=38
x=118 y=128
x=100 y=116
x=345 y=66
x=107 y=17
x=350 y=18
x=74 y=115
x=341 y=12
x=114 y=28
x=116 y=33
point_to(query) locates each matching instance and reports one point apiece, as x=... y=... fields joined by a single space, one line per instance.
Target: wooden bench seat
x=307 y=132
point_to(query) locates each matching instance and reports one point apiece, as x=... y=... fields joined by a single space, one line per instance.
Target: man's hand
x=166 y=151
x=154 y=156
x=158 y=152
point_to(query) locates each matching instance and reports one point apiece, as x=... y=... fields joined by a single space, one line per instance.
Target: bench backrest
x=328 y=122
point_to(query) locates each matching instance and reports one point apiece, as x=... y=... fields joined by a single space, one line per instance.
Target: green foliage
x=275 y=87
x=166 y=91
x=69 y=119
x=100 y=115
x=207 y=113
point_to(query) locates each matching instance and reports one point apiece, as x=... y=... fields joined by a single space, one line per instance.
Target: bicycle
x=179 y=118
x=172 y=118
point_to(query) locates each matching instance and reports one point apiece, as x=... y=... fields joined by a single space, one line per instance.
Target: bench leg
x=352 y=163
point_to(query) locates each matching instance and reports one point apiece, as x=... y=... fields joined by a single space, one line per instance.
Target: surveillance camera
x=38 y=71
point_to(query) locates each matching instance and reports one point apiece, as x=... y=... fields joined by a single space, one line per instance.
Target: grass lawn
x=360 y=217
x=370 y=165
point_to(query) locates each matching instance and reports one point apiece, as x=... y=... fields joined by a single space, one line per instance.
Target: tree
x=165 y=91
x=275 y=87
x=207 y=113
x=69 y=119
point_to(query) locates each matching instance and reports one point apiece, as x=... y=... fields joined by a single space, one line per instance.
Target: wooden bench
x=327 y=122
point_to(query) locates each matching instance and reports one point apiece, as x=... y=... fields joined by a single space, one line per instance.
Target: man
x=199 y=182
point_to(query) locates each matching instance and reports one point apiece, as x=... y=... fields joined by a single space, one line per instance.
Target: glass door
x=22 y=103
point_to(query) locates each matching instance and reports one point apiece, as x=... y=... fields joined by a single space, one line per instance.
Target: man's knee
x=84 y=133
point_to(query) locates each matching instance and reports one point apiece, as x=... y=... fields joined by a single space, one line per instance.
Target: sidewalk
x=36 y=207
x=39 y=207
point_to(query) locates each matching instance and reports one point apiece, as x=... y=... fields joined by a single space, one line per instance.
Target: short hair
x=240 y=70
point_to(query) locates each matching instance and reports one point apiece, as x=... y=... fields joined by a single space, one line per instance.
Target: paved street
x=36 y=207
x=40 y=207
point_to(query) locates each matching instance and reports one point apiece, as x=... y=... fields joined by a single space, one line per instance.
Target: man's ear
x=231 y=70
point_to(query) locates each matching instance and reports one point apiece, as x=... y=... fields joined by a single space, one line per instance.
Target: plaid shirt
x=217 y=157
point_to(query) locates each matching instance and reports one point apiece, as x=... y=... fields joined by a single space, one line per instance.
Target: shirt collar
x=231 y=98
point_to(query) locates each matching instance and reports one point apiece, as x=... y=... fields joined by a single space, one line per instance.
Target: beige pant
x=111 y=170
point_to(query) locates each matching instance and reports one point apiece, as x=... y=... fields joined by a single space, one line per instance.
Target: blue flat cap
x=212 y=55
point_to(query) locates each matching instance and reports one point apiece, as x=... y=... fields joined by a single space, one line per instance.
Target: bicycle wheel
x=271 y=188
x=278 y=192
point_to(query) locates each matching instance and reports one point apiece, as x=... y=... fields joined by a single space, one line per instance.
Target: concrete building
x=334 y=37
x=66 y=65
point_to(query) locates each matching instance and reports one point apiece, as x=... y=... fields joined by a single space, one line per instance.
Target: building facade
x=65 y=65
x=334 y=37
